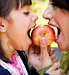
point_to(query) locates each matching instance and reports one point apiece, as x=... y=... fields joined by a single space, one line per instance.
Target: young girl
x=16 y=20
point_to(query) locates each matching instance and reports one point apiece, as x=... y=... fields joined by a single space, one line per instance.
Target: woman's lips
x=52 y=25
x=58 y=35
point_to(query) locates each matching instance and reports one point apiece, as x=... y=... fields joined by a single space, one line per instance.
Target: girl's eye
x=26 y=13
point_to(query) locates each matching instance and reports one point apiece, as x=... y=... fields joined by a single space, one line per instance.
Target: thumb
x=43 y=48
x=54 y=67
x=44 y=56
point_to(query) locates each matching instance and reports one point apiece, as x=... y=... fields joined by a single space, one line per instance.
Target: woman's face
x=59 y=18
x=17 y=31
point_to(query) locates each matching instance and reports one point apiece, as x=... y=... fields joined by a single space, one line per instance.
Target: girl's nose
x=47 y=13
x=35 y=17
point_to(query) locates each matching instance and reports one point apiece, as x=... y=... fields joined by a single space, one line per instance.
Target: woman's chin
x=62 y=47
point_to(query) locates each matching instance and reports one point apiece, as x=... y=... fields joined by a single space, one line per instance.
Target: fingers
x=54 y=71
x=44 y=55
x=61 y=71
x=54 y=58
x=43 y=48
x=54 y=67
x=52 y=51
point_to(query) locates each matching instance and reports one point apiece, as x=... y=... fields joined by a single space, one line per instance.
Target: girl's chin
x=20 y=49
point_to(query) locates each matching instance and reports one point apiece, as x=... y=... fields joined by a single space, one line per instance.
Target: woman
x=57 y=13
x=16 y=19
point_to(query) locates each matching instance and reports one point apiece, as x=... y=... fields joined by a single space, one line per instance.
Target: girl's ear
x=2 y=27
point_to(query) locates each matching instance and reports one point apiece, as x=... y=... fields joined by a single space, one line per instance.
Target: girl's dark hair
x=63 y=4
x=2 y=56
x=7 y=5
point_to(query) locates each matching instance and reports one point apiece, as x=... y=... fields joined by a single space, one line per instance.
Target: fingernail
x=42 y=40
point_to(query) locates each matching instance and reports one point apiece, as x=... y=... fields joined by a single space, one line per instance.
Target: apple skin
x=43 y=31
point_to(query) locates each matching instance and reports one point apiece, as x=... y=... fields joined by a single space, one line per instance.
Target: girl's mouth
x=29 y=33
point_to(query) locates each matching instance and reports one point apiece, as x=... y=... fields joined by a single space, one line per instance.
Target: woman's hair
x=5 y=8
x=63 y=4
x=7 y=5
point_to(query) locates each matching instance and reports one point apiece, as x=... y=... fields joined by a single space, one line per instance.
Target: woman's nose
x=47 y=13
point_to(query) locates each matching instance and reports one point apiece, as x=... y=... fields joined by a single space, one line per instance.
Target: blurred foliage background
x=38 y=7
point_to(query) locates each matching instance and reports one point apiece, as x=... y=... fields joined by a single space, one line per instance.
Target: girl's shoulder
x=4 y=71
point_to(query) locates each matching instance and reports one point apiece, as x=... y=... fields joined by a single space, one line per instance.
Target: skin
x=17 y=30
x=61 y=21
x=14 y=36
x=44 y=59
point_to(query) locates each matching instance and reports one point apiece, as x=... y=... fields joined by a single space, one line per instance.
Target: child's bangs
x=22 y=2
x=26 y=2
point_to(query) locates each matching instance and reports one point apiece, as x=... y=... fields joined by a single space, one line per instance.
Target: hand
x=54 y=71
x=53 y=56
x=38 y=56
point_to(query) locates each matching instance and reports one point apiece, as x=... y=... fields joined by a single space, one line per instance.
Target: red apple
x=43 y=31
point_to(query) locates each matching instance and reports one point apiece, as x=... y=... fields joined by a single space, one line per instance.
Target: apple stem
x=44 y=34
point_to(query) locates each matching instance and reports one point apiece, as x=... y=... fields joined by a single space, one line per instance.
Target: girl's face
x=17 y=31
x=59 y=18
